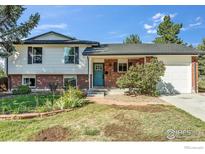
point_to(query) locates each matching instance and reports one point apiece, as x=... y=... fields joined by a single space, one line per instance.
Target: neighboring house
x=53 y=57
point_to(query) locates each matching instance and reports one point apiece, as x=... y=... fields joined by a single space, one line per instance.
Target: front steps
x=101 y=92
x=96 y=92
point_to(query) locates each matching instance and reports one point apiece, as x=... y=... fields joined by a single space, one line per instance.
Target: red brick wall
x=194 y=77
x=136 y=61
x=42 y=81
x=111 y=76
x=82 y=81
x=15 y=81
x=148 y=59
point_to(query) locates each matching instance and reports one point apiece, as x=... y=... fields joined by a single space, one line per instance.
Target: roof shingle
x=141 y=49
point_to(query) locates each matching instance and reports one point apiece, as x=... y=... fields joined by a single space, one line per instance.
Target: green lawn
x=95 y=122
x=26 y=103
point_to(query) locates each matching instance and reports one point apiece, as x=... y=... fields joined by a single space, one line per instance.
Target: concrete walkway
x=192 y=103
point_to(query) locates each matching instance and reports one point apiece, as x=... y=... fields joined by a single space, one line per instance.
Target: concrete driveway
x=192 y=103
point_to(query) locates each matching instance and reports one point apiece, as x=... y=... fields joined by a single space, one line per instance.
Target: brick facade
x=15 y=81
x=195 y=74
x=111 y=76
x=82 y=81
x=148 y=59
x=42 y=81
x=136 y=61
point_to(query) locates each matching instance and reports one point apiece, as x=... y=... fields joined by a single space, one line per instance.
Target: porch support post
x=89 y=72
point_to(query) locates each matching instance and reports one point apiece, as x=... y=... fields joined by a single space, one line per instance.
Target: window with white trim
x=70 y=81
x=30 y=81
x=69 y=55
x=122 y=67
x=34 y=55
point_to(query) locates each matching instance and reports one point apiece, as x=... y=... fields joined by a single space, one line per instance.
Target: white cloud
x=198 y=19
x=51 y=26
x=157 y=16
x=197 y=23
x=146 y=26
x=156 y=19
x=152 y=31
x=172 y=15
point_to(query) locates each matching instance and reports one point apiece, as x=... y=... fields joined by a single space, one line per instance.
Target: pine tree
x=202 y=59
x=168 y=32
x=132 y=39
x=10 y=31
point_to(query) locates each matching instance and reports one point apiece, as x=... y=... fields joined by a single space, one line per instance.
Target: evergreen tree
x=12 y=32
x=202 y=59
x=132 y=39
x=168 y=32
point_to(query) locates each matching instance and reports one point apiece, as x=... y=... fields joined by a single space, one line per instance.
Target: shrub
x=72 y=98
x=143 y=79
x=22 y=89
x=201 y=84
x=73 y=92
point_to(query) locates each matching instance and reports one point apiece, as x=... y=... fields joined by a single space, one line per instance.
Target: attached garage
x=178 y=76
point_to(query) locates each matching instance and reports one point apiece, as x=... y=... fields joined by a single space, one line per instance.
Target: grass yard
x=26 y=103
x=97 y=122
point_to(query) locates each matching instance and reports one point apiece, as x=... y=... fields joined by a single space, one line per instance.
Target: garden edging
x=31 y=115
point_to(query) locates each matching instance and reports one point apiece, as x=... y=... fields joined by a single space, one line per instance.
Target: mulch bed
x=31 y=115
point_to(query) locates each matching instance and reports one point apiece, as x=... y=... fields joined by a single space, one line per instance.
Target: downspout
x=195 y=77
x=8 y=78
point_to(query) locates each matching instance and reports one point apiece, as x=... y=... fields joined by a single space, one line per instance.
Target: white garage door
x=177 y=76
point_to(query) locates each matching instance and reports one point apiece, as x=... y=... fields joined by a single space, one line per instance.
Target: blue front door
x=98 y=74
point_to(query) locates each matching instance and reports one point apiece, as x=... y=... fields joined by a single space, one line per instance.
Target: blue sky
x=111 y=24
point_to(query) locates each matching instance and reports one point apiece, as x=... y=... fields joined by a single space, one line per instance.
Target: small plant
x=72 y=98
x=22 y=89
x=91 y=131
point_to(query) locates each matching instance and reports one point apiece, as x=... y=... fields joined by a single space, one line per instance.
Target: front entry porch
x=104 y=71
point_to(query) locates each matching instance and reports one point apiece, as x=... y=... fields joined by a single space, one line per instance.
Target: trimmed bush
x=143 y=79
x=22 y=89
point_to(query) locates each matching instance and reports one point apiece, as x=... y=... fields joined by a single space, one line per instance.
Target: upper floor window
x=71 y=55
x=34 y=55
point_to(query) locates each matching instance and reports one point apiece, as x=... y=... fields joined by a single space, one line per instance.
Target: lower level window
x=122 y=67
x=31 y=82
x=70 y=81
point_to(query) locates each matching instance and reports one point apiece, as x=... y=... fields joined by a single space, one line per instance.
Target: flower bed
x=42 y=103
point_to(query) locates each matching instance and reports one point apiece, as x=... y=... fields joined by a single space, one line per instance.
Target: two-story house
x=53 y=57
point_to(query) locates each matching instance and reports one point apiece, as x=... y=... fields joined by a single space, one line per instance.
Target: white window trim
x=70 y=76
x=118 y=67
x=69 y=55
x=29 y=76
x=35 y=55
